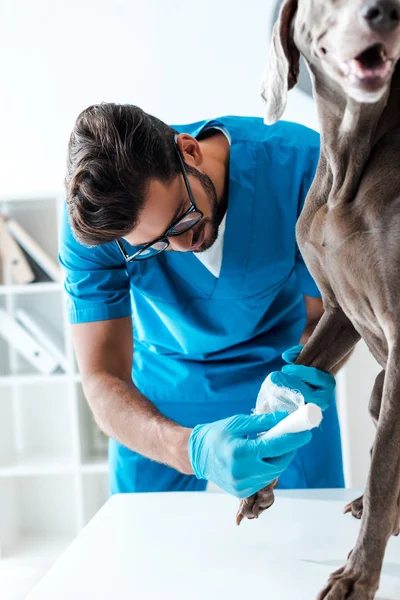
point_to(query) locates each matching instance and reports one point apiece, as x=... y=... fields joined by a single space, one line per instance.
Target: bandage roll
x=304 y=418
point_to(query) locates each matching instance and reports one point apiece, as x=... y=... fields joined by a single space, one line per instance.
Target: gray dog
x=349 y=232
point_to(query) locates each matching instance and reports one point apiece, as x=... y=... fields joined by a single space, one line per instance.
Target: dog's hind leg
x=356 y=506
x=359 y=578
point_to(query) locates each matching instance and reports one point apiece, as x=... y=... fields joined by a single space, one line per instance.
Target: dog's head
x=353 y=43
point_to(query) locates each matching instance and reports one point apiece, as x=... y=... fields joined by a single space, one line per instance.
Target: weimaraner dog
x=349 y=232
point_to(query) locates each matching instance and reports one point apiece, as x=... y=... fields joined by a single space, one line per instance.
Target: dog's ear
x=282 y=71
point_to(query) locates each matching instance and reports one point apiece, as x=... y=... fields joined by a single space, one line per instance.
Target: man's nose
x=382 y=16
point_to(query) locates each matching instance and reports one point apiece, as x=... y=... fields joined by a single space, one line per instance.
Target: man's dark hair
x=114 y=152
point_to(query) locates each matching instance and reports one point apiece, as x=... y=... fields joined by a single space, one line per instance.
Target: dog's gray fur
x=349 y=236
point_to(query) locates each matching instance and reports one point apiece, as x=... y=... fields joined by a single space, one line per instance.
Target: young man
x=179 y=250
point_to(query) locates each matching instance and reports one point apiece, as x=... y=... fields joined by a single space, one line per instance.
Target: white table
x=177 y=546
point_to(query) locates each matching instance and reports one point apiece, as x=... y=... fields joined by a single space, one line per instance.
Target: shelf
x=20 y=576
x=41 y=548
x=46 y=312
x=95 y=465
x=46 y=196
x=34 y=548
x=31 y=288
x=95 y=494
x=53 y=457
x=93 y=442
x=26 y=466
x=27 y=562
x=43 y=507
x=7 y=380
x=35 y=421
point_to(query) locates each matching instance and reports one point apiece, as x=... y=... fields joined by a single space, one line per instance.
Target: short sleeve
x=96 y=281
x=309 y=165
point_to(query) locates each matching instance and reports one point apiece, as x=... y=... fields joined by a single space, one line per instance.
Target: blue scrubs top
x=203 y=345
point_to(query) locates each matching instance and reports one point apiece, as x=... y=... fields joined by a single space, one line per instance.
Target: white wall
x=179 y=59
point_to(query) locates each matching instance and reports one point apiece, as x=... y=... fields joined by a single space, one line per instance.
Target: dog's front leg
x=359 y=578
x=331 y=341
x=333 y=338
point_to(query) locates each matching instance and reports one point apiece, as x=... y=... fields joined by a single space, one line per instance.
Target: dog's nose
x=381 y=15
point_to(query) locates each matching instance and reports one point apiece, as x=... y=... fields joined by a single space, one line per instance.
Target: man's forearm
x=126 y=415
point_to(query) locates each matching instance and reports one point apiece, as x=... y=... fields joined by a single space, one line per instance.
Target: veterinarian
x=179 y=250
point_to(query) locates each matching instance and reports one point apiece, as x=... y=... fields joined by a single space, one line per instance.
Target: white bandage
x=272 y=398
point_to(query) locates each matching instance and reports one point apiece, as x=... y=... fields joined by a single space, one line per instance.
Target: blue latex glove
x=316 y=386
x=223 y=453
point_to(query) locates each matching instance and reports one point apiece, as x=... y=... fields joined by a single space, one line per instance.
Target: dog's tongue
x=360 y=70
x=372 y=62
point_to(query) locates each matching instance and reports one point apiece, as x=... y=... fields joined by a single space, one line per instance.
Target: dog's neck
x=349 y=132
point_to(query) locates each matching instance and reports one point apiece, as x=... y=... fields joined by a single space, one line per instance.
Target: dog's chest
x=341 y=256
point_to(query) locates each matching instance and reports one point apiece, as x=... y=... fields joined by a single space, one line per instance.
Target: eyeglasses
x=181 y=225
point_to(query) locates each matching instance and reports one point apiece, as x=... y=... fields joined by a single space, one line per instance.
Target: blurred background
x=181 y=60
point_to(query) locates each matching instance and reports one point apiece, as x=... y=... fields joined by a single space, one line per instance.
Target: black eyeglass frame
x=169 y=232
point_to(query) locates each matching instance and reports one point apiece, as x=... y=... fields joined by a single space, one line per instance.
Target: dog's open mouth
x=373 y=62
x=371 y=67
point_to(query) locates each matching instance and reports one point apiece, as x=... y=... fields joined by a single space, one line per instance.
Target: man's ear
x=283 y=67
x=190 y=149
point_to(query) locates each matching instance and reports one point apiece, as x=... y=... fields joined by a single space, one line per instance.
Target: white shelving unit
x=53 y=458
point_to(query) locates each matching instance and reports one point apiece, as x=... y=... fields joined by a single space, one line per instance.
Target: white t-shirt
x=212 y=258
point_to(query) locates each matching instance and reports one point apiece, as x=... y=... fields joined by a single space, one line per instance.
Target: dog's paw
x=356 y=508
x=252 y=507
x=348 y=582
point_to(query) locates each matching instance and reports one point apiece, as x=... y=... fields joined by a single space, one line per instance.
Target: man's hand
x=315 y=385
x=222 y=452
